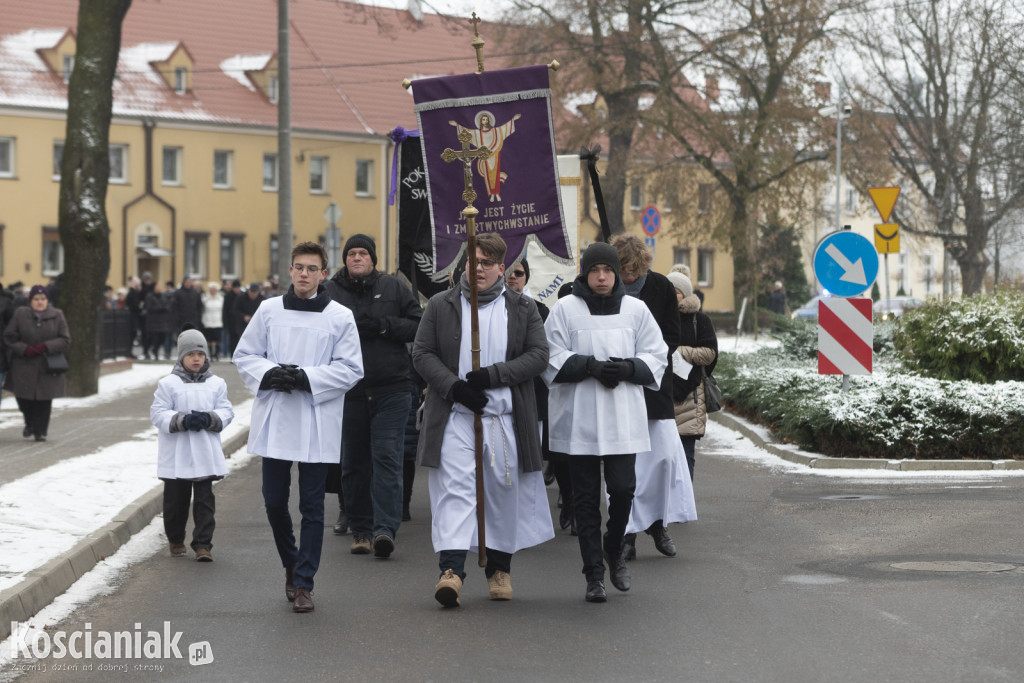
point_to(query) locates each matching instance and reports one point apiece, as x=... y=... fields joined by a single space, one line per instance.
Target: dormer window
x=180 y=80
x=67 y=66
x=171 y=61
x=272 y=89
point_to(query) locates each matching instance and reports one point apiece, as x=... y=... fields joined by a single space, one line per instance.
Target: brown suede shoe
x=204 y=555
x=448 y=589
x=177 y=549
x=303 y=601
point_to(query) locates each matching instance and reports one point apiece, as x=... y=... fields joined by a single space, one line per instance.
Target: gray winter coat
x=435 y=355
x=27 y=377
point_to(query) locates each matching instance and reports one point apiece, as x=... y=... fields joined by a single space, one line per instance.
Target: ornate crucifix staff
x=467 y=156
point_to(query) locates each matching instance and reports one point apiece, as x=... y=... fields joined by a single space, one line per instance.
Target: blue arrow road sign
x=845 y=263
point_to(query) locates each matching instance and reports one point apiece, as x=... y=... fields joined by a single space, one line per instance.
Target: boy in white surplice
x=513 y=351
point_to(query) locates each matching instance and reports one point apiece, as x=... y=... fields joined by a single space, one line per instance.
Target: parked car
x=895 y=306
x=809 y=311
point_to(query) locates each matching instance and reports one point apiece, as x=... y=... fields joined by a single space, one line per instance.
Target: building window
x=275 y=253
x=852 y=200
x=364 y=177
x=928 y=268
x=180 y=80
x=681 y=255
x=273 y=89
x=703 y=198
x=197 y=255
x=636 y=197
x=58 y=154
x=231 y=249
x=118 y=163
x=270 y=172
x=67 y=65
x=223 y=174
x=6 y=157
x=53 y=253
x=902 y=272
x=172 y=165
x=705 y=267
x=318 y=175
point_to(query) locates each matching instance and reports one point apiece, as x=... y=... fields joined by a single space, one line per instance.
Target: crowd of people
x=350 y=375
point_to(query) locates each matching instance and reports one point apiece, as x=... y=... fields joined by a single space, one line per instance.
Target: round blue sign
x=845 y=263
x=651 y=220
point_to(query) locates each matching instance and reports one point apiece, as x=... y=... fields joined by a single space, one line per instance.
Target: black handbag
x=712 y=394
x=57 y=364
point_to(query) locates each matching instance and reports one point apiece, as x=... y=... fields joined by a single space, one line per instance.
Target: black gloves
x=280 y=378
x=474 y=399
x=610 y=372
x=197 y=421
x=301 y=381
x=479 y=379
x=371 y=327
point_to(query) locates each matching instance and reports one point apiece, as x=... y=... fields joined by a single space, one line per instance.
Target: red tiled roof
x=348 y=60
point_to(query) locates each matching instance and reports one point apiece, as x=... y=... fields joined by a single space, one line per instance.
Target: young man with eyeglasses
x=299 y=355
x=513 y=350
x=377 y=408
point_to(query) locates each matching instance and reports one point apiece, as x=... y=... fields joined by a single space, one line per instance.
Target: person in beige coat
x=699 y=348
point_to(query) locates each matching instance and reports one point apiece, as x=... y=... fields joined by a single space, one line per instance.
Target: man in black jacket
x=376 y=409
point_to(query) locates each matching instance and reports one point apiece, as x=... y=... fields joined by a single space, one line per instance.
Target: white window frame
x=270 y=184
x=703 y=199
x=705 y=267
x=236 y=267
x=180 y=80
x=273 y=89
x=6 y=157
x=681 y=255
x=120 y=150
x=57 y=144
x=67 y=65
x=636 y=197
x=928 y=272
x=178 y=154
x=197 y=255
x=903 y=272
x=364 y=171
x=852 y=201
x=229 y=163
x=55 y=259
x=323 y=164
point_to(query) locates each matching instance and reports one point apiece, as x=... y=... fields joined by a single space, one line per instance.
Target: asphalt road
x=786 y=577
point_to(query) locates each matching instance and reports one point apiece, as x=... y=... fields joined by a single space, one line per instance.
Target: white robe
x=587 y=418
x=189 y=455
x=663 y=487
x=300 y=426
x=516 y=510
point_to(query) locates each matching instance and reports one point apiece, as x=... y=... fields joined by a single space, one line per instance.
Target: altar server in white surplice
x=605 y=347
x=299 y=354
x=513 y=351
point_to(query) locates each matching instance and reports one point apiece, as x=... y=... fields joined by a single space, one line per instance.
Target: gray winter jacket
x=435 y=355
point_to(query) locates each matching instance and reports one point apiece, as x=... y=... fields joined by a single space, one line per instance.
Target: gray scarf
x=638 y=284
x=485 y=296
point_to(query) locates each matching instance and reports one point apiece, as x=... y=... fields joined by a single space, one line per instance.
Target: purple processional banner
x=509 y=112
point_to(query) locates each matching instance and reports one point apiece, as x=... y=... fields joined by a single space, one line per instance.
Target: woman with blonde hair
x=213 y=309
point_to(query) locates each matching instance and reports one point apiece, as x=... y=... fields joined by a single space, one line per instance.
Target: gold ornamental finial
x=478 y=43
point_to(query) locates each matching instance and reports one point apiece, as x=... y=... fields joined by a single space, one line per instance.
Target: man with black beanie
x=605 y=347
x=377 y=408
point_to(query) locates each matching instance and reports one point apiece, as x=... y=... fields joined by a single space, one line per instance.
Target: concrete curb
x=42 y=585
x=793 y=454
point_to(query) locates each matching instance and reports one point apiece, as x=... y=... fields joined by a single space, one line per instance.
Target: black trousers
x=177 y=496
x=37 y=414
x=620 y=479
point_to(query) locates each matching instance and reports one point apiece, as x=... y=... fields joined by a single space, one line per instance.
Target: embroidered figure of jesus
x=486 y=134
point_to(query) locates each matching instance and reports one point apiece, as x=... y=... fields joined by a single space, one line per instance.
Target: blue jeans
x=277 y=481
x=372 y=444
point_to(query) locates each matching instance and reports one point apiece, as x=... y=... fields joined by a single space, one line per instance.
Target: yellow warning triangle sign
x=884 y=199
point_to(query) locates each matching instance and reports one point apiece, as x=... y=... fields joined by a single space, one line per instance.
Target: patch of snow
x=235 y=67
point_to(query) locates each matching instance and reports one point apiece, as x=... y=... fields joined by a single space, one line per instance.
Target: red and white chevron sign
x=845 y=334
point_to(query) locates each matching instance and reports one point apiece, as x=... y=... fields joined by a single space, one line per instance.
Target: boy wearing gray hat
x=190 y=408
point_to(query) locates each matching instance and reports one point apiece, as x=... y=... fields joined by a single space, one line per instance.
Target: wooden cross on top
x=467 y=156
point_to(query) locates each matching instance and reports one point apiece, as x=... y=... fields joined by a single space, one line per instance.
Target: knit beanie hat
x=600 y=253
x=37 y=289
x=191 y=340
x=681 y=283
x=526 y=269
x=360 y=241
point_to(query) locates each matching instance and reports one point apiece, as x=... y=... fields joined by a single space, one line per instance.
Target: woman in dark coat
x=35 y=332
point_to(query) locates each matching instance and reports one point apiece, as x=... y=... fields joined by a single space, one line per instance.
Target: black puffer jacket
x=387 y=315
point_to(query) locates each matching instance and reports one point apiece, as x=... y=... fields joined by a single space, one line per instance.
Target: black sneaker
x=383 y=546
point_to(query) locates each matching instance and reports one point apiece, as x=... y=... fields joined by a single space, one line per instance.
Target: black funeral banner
x=415 y=246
